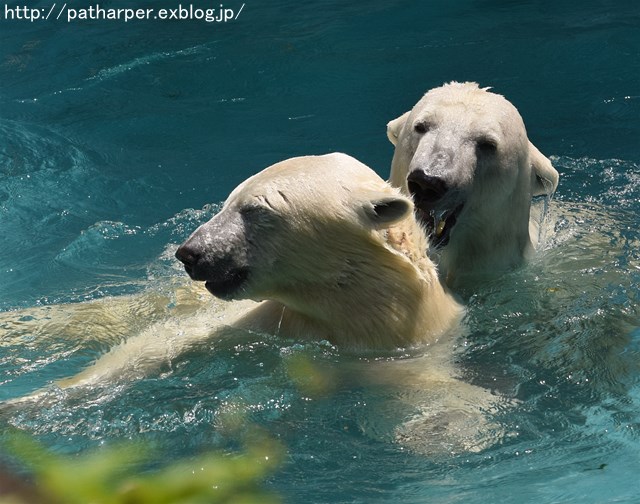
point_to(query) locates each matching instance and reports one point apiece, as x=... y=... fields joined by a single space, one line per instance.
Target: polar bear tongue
x=439 y=224
x=442 y=227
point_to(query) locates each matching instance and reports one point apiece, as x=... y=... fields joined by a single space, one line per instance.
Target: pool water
x=118 y=139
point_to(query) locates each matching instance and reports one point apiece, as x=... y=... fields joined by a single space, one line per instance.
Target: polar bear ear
x=386 y=210
x=546 y=176
x=394 y=127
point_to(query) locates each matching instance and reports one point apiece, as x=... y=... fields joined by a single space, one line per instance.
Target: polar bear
x=316 y=247
x=311 y=248
x=463 y=155
x=334 y=252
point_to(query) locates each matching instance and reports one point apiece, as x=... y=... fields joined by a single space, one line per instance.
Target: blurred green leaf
x=115 y=475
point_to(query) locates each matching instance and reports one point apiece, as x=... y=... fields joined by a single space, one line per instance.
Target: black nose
x=426 y=188
x=188 y=256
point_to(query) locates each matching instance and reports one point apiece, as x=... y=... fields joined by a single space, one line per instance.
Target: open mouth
x=434 y=202
x=438 y=223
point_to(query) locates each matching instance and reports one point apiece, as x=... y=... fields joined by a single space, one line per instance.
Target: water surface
x=114 y=137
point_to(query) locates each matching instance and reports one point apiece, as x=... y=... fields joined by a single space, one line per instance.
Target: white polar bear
x=309 y=248
x=316 y=247
x=463 y=155
x=335 y=251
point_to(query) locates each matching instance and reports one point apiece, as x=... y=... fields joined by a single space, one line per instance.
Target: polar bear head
x=292 y=228
x=463 y=155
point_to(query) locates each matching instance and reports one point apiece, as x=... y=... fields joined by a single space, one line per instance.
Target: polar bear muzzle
x=216 y=253
x=436 y=209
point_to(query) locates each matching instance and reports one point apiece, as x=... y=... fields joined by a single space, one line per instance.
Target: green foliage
x=308 y=377
x=116 y=475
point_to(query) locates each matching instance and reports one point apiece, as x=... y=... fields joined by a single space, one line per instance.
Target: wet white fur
x=495 y=231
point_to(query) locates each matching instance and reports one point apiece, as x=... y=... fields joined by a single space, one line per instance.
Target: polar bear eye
x=259 y=213
x=254 y=211
x=487 y=145
x=421 y=127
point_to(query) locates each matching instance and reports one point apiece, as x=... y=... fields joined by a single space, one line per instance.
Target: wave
x=114 y=71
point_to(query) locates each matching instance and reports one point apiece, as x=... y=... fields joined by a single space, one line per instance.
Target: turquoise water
x=114 y=136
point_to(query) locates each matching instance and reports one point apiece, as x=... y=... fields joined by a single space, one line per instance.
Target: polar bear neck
x=505 y=244
x=403 y=305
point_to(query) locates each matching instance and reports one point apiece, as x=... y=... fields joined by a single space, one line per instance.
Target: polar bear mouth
x=438 y=223
x=228 y=286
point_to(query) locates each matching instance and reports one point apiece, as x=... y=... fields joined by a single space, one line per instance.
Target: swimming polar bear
x=327 y=244
x=311 y=248
x=463 y=155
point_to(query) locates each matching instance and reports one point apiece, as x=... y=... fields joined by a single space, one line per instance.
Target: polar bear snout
x=425 y=189
x=188 y=256
x=216 y=253
x=223 y=275
x=192 y=255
